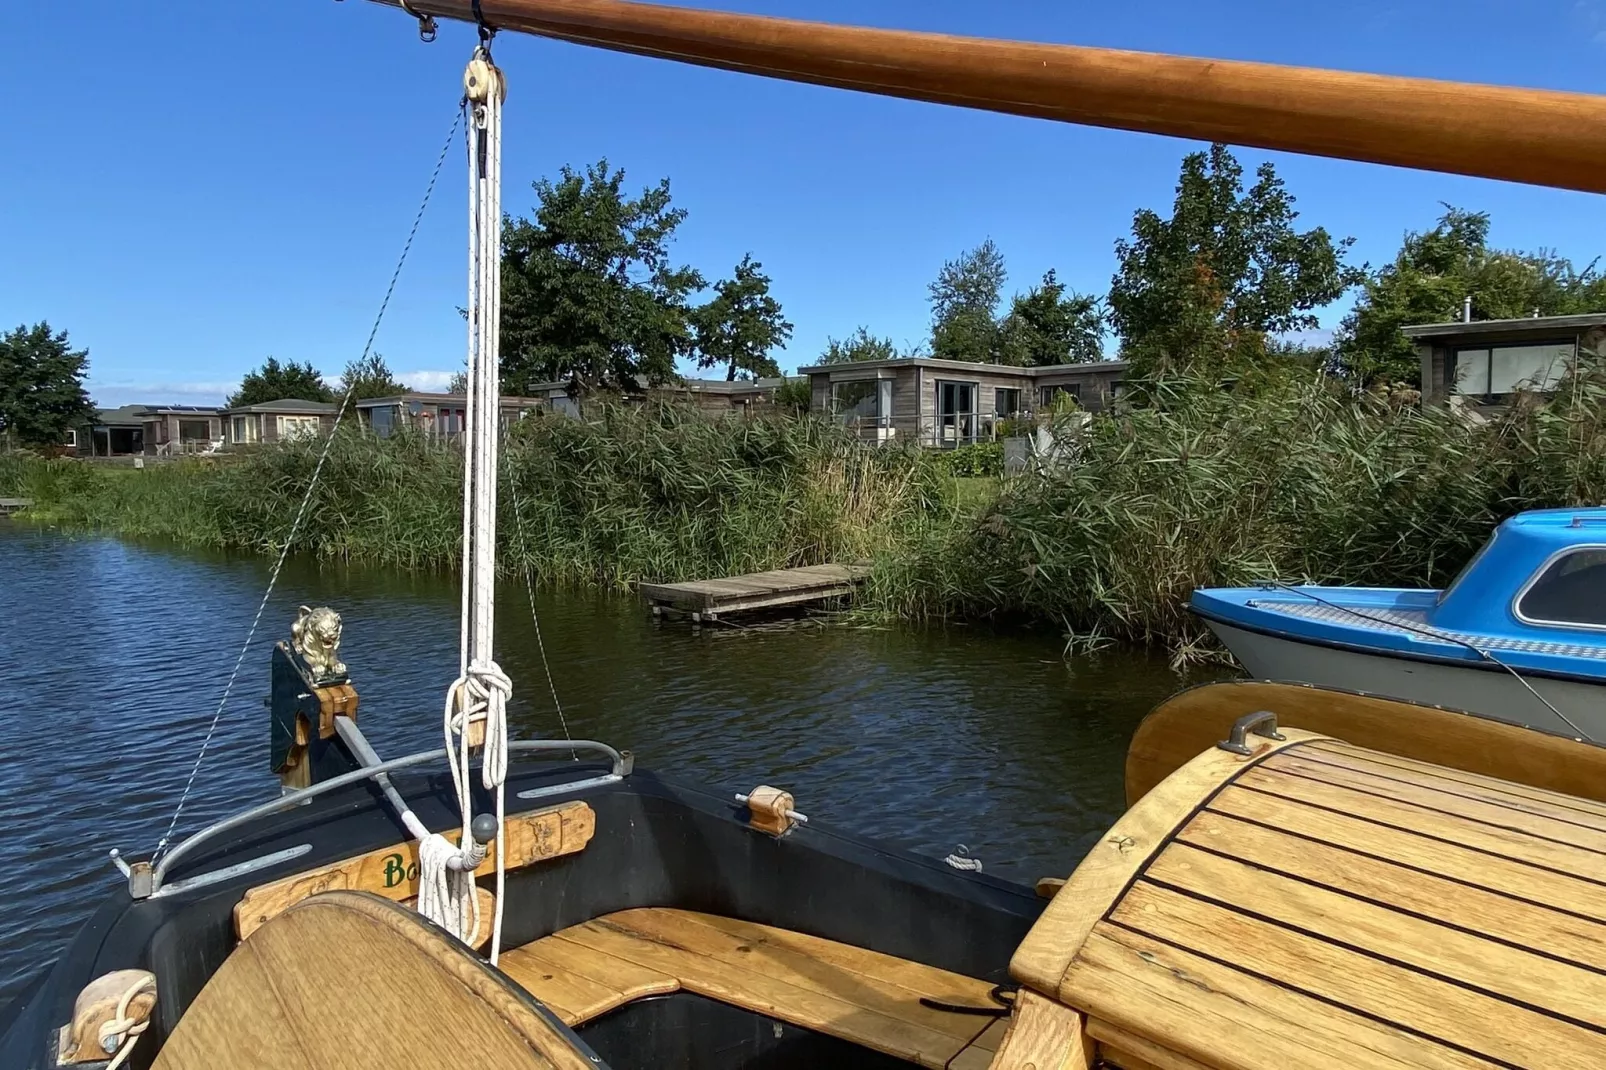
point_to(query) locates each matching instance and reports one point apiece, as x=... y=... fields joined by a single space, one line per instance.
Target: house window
x=70 y=439
x=195 y=430
x=1571 y=590
x=297 y=426
x=956 y=413
x=245 y=429
x=1505 y=369
x=383 y=420
x=858 y=400
x=1047 y=394
x=1006 y=401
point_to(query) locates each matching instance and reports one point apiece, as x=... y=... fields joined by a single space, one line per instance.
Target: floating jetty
x=13 y=505
x=708 y=600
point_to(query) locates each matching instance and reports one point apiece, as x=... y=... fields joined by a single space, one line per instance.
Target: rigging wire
x=1432 y=633
x=312 y=485
x=535 y=618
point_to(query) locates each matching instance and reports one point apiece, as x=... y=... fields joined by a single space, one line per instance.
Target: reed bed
x=1293 y=480
x=629 y=494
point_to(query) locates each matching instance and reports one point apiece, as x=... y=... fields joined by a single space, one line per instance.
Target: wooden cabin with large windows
x=277 y=421
x=1486 y=362
x=947 y=403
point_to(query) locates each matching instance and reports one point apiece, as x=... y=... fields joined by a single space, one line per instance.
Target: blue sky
x=190 y=187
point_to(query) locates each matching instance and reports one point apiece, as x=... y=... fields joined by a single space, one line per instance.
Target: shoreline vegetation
x=1294 y=478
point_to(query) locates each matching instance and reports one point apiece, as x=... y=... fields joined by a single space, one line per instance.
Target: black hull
x=657 y=843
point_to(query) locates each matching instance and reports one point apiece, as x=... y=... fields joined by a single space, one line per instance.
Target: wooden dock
x=707 y=600
x=12 y=505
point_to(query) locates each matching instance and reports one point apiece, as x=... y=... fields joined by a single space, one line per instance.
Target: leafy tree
x=589 y=292
x=740 y=326
x=274 y=381
x=1429 y=280
x=964 y=300
x=794 y=394
x=458 y=383
x=42 y=392
x=1206 y=287
x=859 y=346
x=1046 y=325
x=369 y=377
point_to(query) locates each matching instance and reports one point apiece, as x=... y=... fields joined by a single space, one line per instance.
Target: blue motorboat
x=1519 y=635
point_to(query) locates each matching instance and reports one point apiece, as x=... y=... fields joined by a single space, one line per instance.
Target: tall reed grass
x=656 y=493
x=1294 y=480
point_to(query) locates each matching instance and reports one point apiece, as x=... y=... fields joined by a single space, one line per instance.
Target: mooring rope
x=306 y=499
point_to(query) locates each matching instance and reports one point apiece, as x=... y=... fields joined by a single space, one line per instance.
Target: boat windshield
x=1571 y=591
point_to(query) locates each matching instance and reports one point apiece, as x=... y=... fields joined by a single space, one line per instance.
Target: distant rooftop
x=1528 y=324
x=964 y=365
x=295 y=405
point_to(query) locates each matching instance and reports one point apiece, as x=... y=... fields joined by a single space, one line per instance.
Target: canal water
x=114 y=657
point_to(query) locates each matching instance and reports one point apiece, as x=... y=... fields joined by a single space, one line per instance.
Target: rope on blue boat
x=1433 y=633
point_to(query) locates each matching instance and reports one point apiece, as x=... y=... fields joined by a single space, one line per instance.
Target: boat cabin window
x=1570 y=591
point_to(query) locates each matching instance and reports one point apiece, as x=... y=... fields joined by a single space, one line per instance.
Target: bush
x=974 y=459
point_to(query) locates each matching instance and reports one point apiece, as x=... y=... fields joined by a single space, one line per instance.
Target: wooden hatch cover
x=351 y=981
x=1314 y=904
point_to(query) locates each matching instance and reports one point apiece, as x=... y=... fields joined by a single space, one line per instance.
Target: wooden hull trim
x=1179 y=728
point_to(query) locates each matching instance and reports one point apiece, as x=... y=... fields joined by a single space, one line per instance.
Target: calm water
x=113 y=658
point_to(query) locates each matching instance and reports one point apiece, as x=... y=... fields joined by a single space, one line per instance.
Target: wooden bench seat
x=847 y=992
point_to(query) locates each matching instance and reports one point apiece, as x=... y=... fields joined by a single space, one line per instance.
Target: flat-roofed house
x=947 y=403
x=1485 y=362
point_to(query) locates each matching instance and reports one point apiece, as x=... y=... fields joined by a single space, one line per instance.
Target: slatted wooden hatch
x=1317 y=904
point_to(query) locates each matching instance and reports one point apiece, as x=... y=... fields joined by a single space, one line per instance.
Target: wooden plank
x=1520 y=921
x=392 y=871
x=756 y=990
x=1545 y=804
x=551 y=971
x=1187 y=723
x=1534 y=850
x=879 y=983
x=758 y=589
x=1453 y=803
x=1043 y=1035
x=1356 y=834
x=1489 y=783
x=1466 y=958
x=1049 y=947
x=1494 y=1028
x=1132 y=1052
x=1224 y=1017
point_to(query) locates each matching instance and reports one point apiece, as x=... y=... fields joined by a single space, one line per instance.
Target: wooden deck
x=709 y=599
x=12 y=505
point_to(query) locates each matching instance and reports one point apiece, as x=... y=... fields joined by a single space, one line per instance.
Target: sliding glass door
x=956 y=413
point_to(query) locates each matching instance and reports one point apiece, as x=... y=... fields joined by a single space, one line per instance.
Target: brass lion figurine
x=316 y=637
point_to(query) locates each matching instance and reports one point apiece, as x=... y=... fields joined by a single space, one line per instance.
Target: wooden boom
x=1522 y=135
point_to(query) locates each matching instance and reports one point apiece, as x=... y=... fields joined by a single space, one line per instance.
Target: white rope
x=477 y=699
x=122 y=1031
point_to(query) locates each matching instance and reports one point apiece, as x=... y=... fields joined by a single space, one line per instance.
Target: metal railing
x=622 y=763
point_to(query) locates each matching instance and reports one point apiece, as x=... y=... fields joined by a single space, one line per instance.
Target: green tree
x=590 y=294
x=42 y=393
x=370 y=377
x=274 y=381
x=1205 y=288
x=1047 y=325
x=458 y=384
x=795 y=394
x=740 y=326
x=861 y=345
x=1430 y=279
x=964 y=302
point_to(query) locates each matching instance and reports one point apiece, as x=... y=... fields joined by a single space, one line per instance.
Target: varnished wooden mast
x=1524 y=135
